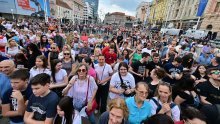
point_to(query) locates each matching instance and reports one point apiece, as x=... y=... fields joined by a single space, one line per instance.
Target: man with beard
x=210 y=91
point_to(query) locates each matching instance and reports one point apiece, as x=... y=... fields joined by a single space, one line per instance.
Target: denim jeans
x=16 y=123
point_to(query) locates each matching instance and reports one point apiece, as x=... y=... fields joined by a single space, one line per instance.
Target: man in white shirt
x=104 y=72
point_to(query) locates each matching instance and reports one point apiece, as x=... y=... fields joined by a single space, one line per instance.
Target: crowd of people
x=56 y=73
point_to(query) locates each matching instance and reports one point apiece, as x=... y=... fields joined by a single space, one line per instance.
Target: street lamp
x=12 y=14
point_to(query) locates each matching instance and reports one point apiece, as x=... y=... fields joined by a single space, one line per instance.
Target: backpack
x=19 y=47
x=159 y=107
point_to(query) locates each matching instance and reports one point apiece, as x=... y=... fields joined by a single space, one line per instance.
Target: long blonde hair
x=8 y=43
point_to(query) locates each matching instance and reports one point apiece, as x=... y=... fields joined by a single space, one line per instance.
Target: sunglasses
x=66 y=53
x=53 y=47
x=139 y=50
x=215 y=72
x=82 y=70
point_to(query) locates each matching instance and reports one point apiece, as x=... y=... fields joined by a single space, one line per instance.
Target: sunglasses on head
x=82 y=70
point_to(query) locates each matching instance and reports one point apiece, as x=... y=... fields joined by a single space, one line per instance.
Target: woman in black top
x=32 y=53
x=156 y=74
x=200 y=74
x=53 y=54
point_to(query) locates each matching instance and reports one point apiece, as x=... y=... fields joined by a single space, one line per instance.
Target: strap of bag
x=103 y=71
x=87 y=91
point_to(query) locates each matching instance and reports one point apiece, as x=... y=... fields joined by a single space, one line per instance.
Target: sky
x=126 y=6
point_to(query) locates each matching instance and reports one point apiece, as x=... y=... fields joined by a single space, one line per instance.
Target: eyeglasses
x=142 y=92
x=53 y=47
x=81 y=70
x=215 y=72
x=66 y=53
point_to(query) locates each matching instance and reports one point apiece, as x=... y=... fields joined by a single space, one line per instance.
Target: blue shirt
x=137 y=115
x=204 y=60
x=5 y=84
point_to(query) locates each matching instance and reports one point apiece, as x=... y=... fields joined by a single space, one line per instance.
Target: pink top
x=84 y=38
x=92 y=72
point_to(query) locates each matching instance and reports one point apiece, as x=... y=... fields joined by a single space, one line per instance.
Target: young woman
x=43 y=45
x=59 y=77
x=156 y=75
x=116 y=114
x=67 y=47
x=53 y=54
x=65 y=110
x=82 y=88
x=32 y=53
x=40 y=66
x=67 y=61
x=162 y=102
x=122 y=83
x=200 y=74
x=12 y=48
x=139 y=108
x=90 y=65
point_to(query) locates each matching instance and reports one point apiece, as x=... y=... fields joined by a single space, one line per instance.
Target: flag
x=202 y=5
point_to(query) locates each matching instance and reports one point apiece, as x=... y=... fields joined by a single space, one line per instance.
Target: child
x=15 y=99
x=42 y=104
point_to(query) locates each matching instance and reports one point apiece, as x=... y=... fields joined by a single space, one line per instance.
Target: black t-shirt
x=189 y=99
x=198 y=76
x=14 y=103
x=151 y=65
x=43 y=107
x=207 y=90
x=171 y=69
x=139 y=68
x=119 y=39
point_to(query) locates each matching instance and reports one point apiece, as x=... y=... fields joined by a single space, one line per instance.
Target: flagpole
x=198 y=22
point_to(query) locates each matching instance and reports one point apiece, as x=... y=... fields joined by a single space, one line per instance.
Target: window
x=217 y=7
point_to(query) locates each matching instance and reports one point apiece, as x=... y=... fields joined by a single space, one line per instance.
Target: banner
x=202 y=6
x=33 y=7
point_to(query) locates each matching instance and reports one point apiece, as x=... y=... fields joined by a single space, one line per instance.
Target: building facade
x=182 y=13
x=95 y=5
x=211 y=19
x=158 y=12
x=88 y=14
x=63 y=11
x=143 y=12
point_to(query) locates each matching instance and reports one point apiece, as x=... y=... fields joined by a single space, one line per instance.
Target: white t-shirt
x=146 y=50
x=79 y=90
x=12 y=50
x=103 y=72
x=60 y=76
x=116 y=82
x=34 y=72
x=175 y=111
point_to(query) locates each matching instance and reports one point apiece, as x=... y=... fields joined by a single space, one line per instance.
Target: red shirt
x=110 y=57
